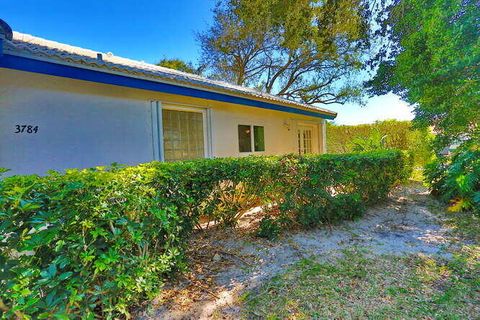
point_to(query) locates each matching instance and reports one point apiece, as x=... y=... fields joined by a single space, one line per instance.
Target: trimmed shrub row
x=92 y=243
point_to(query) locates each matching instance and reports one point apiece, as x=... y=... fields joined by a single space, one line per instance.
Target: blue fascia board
x=60 y=70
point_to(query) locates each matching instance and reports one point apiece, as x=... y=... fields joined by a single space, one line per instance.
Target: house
x=66 y=107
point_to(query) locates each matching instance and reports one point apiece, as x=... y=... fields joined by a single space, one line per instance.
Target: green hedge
x=95 y=242
x=337 y=187
x=388 y=134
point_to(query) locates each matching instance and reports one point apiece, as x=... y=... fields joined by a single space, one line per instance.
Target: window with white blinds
x=183 y=135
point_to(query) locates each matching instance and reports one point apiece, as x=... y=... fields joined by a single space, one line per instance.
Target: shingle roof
x=28 y=45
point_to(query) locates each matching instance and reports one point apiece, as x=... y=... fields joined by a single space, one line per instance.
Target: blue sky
x=149 y=30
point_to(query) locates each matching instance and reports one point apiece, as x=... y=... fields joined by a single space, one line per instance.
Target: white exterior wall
x=280 y=130
x=83 y=124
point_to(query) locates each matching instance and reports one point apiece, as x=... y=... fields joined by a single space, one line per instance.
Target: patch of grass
x=464 y=224
x=359 y=285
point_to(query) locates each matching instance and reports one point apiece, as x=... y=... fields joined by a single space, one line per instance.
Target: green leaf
x=476 y=197
x=65 y=275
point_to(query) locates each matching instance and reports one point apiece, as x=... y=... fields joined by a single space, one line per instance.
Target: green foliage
x=269 y=228
x=92 y=243
x=336 y=187
x=179 y=65
x=389 y=134
x=308 y=50
x=433 y=61
x=456 y=178
x=223 y=189
x=88 y=242
x=375 y=141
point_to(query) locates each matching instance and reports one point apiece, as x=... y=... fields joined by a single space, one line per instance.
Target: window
x=183 y=135
x=245 y=138
x=249 y=135
x=258 y=138
x=305 y=140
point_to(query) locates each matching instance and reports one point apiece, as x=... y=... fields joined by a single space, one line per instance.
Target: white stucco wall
x=83 y=124
x=280 y=129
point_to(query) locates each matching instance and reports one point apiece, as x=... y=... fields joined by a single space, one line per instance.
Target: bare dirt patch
x=226 y=263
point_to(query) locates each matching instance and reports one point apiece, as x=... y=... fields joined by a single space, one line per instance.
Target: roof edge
x=76 y=57
x=54 y=68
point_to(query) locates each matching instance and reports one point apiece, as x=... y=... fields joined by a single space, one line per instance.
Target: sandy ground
x=226 y=263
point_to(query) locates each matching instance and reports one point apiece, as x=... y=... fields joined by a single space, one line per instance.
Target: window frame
x=206 y=126
x=252 y=139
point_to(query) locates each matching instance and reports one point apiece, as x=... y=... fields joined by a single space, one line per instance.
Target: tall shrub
x=456 y=178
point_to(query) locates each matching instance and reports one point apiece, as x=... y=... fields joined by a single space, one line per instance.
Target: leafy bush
x=375 y=141
x=337 y=187
x=269 y=228
x=456 y=178
x=91 y=243
x=88 y=242
x=223 y=189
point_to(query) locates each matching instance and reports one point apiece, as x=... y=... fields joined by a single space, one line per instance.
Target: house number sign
x=25 y=128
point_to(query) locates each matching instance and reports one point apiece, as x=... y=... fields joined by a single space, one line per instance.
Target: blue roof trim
x=60 y=70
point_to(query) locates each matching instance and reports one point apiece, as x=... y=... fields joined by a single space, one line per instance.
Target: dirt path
x=226 y=263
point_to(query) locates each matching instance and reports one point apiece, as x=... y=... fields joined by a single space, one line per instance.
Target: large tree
x=180 y=65
x=430 y=56
x=306 y=50
x=432 y=59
